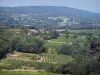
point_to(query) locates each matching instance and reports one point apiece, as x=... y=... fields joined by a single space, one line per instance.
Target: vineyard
x=36 y=64
x=54 y=58
x=49 y=53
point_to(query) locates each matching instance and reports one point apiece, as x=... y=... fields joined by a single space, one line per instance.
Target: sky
x=88 y=5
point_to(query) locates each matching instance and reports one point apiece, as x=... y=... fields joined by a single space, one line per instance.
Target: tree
x=3 y=32
x=67 y=33
x=54 y=34
x=31 y=45
x=65 y=49
x=50 y=35
x=4 y=45
x=13 y=41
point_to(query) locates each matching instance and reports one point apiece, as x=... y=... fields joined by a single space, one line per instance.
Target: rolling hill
x=41 y=13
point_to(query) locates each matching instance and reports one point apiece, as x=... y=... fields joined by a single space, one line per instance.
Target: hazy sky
x=90 y=5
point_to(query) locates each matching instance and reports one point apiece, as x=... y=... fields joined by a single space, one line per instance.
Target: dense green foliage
x=65 y=49
x=4 y=45
x=31 y=45
x=48 y=35
x=11 y=41
x=3 y=48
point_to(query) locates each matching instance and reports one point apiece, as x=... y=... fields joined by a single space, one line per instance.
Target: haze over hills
x=44 y=12
x=49 y=40
x=47 y=9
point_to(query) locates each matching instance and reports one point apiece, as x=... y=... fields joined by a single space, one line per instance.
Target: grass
x=54 y=44
x=84 y=30
x=94 y=31
x=29 y=55
x=25 y=54
x=12 y=64
x=25 y=73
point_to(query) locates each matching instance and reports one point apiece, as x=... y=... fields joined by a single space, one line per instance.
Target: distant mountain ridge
x=85 y=18
x=49 y=9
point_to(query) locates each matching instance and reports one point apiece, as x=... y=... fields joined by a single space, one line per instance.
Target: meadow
x=26 y=73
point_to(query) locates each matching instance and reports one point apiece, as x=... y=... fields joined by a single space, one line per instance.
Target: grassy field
x=54 y=44
x=21 y=54
x=94 y=31
x=25 y=73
